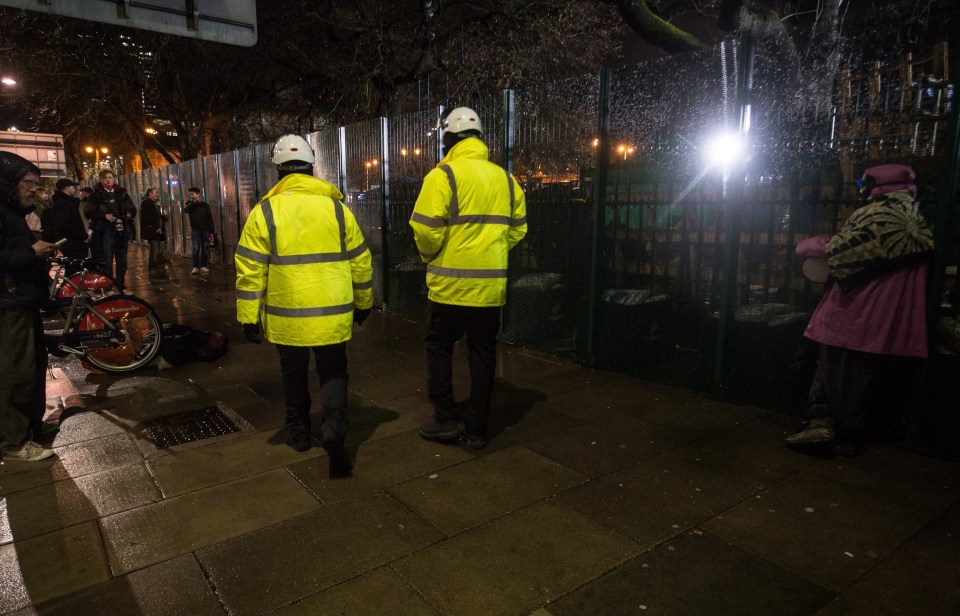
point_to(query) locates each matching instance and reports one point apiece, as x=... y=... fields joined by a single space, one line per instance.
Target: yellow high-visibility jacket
x=302 y=265
x=469 y=214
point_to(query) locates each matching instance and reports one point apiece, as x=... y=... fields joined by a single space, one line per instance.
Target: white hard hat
x=460 y=120
x=291 y=148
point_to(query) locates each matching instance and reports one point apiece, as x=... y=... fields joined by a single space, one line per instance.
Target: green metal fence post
x=342 y=157
x=509 y=134
x=946 y=200
x=599 y=204
x=438 y=141
x=384 y=209
x=732 y=214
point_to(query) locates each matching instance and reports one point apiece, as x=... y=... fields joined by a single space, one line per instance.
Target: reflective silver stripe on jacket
x=249 y=294
x=484 y=219
x=428 y=221
x=302 y=259
x=338 y=211
x=363 y=285
x=271 y=225
x=301 y=313
x=317 y=257
x=457 y=272
x=253 y=255
x=480 y=219
x=454 y=199
x=356 y=252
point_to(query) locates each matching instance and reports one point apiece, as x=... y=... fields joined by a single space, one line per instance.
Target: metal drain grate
x=188 y=426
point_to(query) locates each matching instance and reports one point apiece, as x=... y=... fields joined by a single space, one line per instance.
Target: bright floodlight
x=724 y=150
x=9 y=81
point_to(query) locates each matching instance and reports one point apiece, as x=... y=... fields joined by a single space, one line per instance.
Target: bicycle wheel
x=137 y=325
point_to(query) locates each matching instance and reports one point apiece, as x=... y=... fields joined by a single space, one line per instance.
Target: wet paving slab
x=311 y=552
x=597 y=493
x=516 y=563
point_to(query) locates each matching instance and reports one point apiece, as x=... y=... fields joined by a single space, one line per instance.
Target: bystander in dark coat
x=23 y=290
x=201 y=226
x=62 y=220
x=152 y=230
x=111 y=213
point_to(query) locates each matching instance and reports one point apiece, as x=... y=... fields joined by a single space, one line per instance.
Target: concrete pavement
x=597 y=494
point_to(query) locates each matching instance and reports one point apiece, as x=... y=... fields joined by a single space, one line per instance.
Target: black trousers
x=23 y=375
x=331 y=367
x=446 y=324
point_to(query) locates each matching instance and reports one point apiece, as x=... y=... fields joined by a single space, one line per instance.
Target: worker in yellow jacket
x=303 y=279
x=468 y=216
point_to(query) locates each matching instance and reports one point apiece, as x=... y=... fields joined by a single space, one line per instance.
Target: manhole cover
x=188 y=426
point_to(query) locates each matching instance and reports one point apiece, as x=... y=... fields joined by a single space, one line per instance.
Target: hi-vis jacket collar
x=471 y=147
x=301 y=182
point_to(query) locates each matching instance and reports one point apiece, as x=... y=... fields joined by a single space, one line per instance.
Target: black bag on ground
x=183 y=344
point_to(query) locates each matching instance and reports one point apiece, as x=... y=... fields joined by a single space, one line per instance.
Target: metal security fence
x=644 y=255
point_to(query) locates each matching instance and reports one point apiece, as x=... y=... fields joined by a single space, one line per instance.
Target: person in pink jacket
x=874 y=311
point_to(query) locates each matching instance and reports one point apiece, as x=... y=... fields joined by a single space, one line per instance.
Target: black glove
x=359 y=316
x=252 y=332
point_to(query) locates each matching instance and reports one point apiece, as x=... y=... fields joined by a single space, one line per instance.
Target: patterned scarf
x=878 y=238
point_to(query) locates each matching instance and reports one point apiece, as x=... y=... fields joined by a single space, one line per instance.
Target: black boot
x=334 y=428
x=297 y=431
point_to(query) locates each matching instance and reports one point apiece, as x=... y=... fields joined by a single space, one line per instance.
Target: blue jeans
x=199 y=239
x=113 y=247
x=154 y=253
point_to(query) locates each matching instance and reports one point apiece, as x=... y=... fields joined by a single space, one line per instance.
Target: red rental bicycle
x=114 y=333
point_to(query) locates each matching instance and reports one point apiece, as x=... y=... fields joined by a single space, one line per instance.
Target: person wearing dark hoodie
x=62 y=220
x=23 y=290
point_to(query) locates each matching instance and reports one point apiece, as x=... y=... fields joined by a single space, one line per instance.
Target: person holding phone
x=62 y=221
x=23 y=354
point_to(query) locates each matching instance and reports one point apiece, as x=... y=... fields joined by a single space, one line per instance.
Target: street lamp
x=625 y=150
x=96 y=152
x=724 y=151
x=368 y=165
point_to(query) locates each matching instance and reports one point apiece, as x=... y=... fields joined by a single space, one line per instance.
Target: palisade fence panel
x=411 y=146
x=163 y=185
x=172 y=194
x=326 y=151
x=549 y=275
x=661 y=240
x=491 y=112
x=229 y=217
x=209 y=182
x=266 y=170
x=363 y=191
x=248 y=193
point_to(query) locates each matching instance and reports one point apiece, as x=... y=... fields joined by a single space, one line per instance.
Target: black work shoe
x=300 y=442
x=340 y=464
x=434 y=430
x=473 y=441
